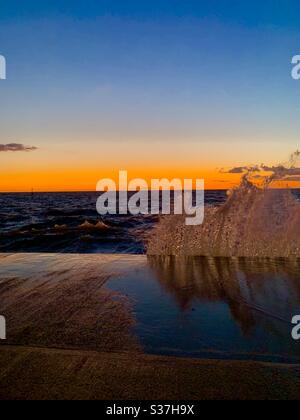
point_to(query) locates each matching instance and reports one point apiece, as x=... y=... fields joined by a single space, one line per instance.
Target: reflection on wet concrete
x=231 y=308
x=268 y=286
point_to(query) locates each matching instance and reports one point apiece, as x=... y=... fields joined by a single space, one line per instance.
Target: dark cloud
x=16 y=147
x=281 y=170
x=289 y=171
x=241 y=170
x=238 y=170
x=279 y=173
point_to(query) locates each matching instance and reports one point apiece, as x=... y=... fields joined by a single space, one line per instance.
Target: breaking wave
x=257 y=220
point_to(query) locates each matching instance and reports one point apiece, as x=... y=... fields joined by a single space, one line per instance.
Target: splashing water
x=255 y=221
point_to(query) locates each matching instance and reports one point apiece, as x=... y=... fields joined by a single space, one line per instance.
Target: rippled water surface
x=67 y=222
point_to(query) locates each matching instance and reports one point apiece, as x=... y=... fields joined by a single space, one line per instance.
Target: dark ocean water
x=52 y=222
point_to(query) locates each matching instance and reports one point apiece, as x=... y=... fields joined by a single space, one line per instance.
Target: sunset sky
x=159 y=88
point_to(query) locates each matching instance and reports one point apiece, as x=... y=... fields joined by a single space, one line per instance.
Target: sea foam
x=253 y=222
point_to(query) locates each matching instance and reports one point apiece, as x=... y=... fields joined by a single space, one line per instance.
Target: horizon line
x=94 y=191
x=118 y=191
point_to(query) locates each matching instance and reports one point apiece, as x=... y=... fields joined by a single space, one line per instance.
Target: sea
x=69 y=223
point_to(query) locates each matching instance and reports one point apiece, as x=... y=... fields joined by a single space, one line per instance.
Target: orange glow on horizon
x=86 y=179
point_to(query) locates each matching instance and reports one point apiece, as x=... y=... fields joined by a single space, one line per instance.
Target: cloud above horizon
x=16 y=147
x=240 y=170
x=279 y=173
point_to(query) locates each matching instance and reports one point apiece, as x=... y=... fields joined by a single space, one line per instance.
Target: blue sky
x=274 y=12
x=198 y=82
